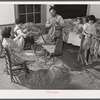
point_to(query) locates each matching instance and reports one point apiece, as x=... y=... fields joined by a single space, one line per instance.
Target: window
x=31 y=13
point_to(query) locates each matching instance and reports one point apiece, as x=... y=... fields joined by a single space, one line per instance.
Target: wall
x=7 y=15
x=92 y=9
x=47 y=11
x=95 y=9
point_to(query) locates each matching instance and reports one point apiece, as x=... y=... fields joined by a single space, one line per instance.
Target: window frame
x=43 y=14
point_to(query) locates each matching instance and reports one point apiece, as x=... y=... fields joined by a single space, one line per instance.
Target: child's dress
x=17 y=56
x=78 y=28
x=89 y=31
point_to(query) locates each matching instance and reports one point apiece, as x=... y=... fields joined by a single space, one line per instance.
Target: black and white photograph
x=49 y=46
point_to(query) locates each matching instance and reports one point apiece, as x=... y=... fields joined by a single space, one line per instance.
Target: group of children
x=87 y=31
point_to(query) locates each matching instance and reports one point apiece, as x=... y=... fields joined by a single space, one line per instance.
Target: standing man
x=55 y=24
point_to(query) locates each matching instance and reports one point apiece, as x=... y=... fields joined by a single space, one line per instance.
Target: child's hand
x=90 y=35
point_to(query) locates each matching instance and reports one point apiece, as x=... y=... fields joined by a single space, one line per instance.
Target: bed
x=71 y=37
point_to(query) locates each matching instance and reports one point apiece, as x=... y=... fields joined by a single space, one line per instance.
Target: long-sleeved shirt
x=57 y=18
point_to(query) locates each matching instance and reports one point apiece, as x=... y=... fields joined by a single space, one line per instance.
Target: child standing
x=78 y=25
x=89 y=30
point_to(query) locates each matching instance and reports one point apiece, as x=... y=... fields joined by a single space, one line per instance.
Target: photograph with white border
x=49 y=49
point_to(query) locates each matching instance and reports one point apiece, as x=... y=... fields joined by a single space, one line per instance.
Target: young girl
x=78 y=25
x=89 y=30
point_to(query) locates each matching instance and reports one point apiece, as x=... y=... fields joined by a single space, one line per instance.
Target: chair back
x=41 y=34
x=8 y=59
x=58 y=44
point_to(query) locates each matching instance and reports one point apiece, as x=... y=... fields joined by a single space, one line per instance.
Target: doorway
x=71 y=11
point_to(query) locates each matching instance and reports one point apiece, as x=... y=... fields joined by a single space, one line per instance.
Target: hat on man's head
x=52 y=8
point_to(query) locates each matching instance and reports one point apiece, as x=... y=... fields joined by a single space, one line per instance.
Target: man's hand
x=55 y=22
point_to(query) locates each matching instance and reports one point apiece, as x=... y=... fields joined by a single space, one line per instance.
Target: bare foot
x=86 y=62
x=91 y=62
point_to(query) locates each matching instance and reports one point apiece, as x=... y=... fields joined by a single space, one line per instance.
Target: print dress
x=89 y=31
x=17 y=56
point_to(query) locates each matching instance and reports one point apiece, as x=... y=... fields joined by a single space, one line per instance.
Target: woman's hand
x=28 y=33
x=22 y=35
x=19 y=36
x=25 y=35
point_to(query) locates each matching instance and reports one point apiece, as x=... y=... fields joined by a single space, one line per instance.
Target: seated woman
x=17 y=55
x=18 y=30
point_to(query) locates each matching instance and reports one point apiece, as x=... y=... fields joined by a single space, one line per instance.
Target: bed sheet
x=72 y=38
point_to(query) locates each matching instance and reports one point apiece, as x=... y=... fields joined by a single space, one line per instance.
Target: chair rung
x=19 y=68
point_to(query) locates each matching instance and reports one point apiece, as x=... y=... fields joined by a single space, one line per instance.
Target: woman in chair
x=55 y=24
x=17 y=55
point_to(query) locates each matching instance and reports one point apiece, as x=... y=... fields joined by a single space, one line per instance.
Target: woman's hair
x=81 y=20
x=18 y=21
x=91 y=17
x=52 y=8
x=6 y=32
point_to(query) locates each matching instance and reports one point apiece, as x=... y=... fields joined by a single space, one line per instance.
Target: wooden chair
x=1 y=50
x=50 y=49
x=11 y=68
